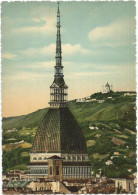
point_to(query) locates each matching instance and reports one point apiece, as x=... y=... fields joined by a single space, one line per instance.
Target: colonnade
x=38 y=170
x=58 y=94
x=77 y=171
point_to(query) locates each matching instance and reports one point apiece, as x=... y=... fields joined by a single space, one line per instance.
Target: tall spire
x=58 y=90
x=58 y=67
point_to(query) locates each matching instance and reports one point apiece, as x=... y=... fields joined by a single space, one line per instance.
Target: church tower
x=59 y=149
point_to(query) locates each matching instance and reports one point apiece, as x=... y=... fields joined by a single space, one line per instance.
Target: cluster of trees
x=103 y=145
x=7 y=136
x=119 y=167
x=13 y=158
x=17 y=136
x=101 y=96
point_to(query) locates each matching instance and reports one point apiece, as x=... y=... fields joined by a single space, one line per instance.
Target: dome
x=59 y=132
x=107 y=85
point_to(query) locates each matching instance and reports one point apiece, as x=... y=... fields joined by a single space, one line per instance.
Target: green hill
x=108 y=127
x=29 y=120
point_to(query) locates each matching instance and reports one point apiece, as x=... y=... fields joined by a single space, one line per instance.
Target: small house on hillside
x=100 y=101
x=109 y=162
x=93 y=128
x=81 y=100
x=116 y=153
x=93 y=100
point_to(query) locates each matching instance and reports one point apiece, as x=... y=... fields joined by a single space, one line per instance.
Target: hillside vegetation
x=109 y=129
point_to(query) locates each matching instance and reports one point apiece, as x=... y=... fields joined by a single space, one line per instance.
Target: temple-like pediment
x=54 y=85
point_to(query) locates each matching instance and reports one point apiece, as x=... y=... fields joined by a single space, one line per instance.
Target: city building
x=59 y=149
x=125 y=183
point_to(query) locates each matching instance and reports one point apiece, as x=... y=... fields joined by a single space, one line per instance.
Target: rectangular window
x=57 y=170
x=84 y=170
x=129 y=186
x=120 y=184
x=76 y=170
x=89 y=170
x=50 y=170
x=68 y=170
x=79 y=170
x=71 y=170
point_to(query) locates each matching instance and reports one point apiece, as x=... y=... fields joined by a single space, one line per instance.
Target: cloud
x=67 y=49
x=118 y=33
x=39 y=65
x=9 y=56
x=25 y=76
x=44 y=25
x=47 y=50
x=87 y=74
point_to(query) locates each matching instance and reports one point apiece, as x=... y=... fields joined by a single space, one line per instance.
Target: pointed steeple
x=58 y=67
x=58 y=90
x=58 y=9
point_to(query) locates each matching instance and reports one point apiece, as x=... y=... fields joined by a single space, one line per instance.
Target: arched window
x=83 y=158
x=34 y=158
x=69 y=158
x=73 y=158
x=45 y=158
x=78 y=158
x=39 y=158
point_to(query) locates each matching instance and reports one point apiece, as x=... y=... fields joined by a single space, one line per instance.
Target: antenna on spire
x=58 y=6
x=58 y=12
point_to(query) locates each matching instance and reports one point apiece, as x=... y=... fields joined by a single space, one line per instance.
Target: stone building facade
x=125 y=183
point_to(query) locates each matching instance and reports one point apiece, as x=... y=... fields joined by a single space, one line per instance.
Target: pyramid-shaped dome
x=59 y=132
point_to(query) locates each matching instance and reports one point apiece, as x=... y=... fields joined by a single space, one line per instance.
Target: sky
x=98 y=46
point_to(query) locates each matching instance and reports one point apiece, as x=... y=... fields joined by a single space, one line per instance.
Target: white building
x=100 y=101
x=81 y=100
x=109 y=162
x=126 y=183
x=93 y=128
x=107 y=88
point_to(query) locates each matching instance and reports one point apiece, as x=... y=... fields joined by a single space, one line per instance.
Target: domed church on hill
x=59 y=149
x=107 y=88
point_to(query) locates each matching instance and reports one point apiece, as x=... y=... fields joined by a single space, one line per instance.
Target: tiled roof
x=108 y=190
x=59 y=81
x=59 y=132
x=38 y=163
